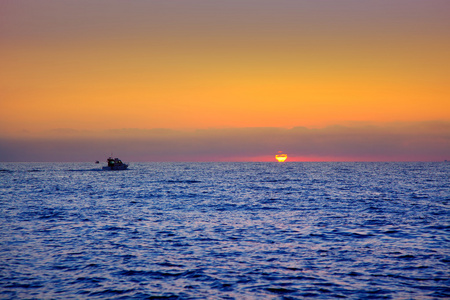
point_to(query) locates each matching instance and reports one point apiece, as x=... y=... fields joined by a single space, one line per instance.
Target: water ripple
x=225 y=231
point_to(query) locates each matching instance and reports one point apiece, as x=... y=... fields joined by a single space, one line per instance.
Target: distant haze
x=390 y=142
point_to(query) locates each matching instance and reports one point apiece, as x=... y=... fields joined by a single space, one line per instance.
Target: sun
x=281 y=157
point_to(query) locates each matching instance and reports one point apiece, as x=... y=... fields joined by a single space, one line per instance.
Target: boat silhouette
x=115 y=164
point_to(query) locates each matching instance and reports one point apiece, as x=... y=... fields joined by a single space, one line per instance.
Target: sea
x=293 y=230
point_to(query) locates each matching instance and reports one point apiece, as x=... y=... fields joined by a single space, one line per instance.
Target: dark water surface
x=225 y=231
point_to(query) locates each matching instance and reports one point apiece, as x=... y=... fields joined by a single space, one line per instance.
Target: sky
x=235 y=80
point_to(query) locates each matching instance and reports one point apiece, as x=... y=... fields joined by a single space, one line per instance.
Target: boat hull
x=115 y=168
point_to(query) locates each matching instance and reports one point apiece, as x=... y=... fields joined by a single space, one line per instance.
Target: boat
x=115 y=164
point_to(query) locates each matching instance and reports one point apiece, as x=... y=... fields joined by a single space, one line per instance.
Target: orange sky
x=100 y=65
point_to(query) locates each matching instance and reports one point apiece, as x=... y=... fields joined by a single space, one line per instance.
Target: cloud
x=420 y=141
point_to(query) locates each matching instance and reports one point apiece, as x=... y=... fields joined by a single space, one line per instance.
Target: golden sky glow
x=100 y=65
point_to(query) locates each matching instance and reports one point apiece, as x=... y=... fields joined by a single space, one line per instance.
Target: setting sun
x=281 y=157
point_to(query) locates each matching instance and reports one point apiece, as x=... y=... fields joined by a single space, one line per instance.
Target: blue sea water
x=225 y=231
